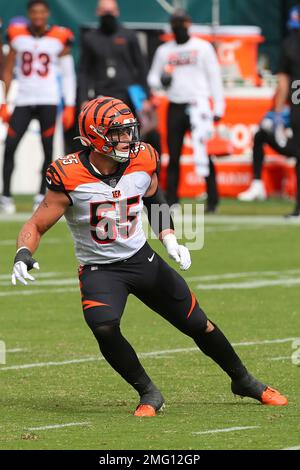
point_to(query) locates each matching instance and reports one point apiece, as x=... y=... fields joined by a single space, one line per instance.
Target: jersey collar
x=112 y=179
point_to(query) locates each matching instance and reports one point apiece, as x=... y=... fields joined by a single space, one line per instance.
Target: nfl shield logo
x=113 y=182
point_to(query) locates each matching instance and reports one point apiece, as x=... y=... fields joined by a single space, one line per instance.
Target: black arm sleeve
x=158 y=212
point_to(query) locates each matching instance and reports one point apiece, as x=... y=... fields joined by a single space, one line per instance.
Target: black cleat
x=294 y=216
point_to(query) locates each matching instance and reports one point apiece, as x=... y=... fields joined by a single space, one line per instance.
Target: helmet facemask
x=125 y=133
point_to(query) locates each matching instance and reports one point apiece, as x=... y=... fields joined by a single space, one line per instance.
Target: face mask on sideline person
x=108 y=24
x=181 y=33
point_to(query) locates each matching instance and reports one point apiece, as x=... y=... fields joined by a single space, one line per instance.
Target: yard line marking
x=187 y=217
x=236 y=219
x=49 y=241
x=214 y=431
x=38 y=275
x=215 y=277
x=16 y=350
x=56 y=426
x=49 y=282
x=281 y=358
x=251 y=284
x=265 y=341
x=292 y=448
x=53 y=363
x=38 y=291
x=141 y=355
x=20 y=217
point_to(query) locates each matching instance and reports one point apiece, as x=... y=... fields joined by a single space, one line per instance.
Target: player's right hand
x=23 y=263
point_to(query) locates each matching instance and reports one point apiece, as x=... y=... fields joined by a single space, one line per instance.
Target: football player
x=101 y=191
x=38 y=53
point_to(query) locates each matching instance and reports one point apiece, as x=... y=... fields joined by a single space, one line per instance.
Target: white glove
x=23 y=262
x=178 y=253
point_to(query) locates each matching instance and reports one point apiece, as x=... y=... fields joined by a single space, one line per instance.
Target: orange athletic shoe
x=249 y=386
x=151 y=401
x=145 y=411
x=270 y=396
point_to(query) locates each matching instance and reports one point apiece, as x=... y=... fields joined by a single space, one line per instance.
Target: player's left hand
x=179 y=253
x=23 y=262
x=68 y=117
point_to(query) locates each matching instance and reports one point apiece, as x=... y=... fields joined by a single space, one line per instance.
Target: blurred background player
x=272 y=131
x=188 y=69
x=111 y=61
x=38 y=53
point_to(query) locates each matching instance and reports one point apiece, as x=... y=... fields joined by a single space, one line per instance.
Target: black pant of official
x=291 y=149
x=178 y=123
x=18 y=124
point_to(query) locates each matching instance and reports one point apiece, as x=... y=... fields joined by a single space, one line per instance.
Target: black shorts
x=146 y=275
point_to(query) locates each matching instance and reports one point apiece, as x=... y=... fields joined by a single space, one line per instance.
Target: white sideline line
x=141 y=355
x=214 y=431
x=57 y=426
x=292 y=448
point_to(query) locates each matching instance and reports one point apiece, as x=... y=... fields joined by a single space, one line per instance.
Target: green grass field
x=247 y=280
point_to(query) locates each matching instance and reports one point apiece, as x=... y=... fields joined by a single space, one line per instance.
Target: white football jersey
x=105 y=212
x=196 y=74
x=37 y=63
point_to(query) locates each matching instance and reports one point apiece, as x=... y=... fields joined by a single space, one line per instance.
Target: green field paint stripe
x=141 y=355
x=215 y=431
x=57 y=426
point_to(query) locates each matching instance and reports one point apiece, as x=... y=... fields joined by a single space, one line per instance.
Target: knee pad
x=107 y=331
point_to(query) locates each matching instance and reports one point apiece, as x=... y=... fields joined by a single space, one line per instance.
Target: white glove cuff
x=170 y=241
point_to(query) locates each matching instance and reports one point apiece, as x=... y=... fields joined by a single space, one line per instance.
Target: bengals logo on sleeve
x=54 y=180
